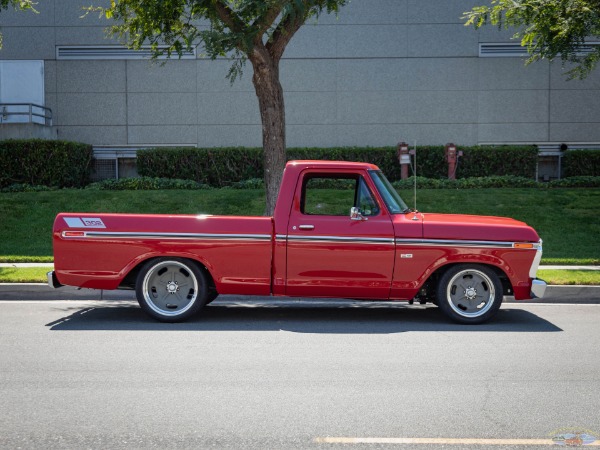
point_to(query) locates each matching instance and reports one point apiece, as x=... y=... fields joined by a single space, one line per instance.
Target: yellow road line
x=439 y=441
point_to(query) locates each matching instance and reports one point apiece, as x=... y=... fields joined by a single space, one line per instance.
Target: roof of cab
x=319 y=164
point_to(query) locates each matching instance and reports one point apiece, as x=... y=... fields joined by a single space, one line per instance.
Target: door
x=328 y=253
x=21 y=82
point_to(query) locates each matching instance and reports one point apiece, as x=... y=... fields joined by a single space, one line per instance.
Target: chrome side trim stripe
x=460 y=243
x=138 y=235
x=347 y=239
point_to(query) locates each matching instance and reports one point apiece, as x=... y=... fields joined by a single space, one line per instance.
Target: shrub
x=582 y=181
x=42 y=162
x=145 y=184
x=507 y=181
x=24 y=187
x=227 y=166
x=581 y=163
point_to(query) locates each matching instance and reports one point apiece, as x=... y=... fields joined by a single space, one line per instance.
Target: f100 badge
x=84 y=222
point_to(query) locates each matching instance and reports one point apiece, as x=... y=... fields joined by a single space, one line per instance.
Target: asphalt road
x=89 y=374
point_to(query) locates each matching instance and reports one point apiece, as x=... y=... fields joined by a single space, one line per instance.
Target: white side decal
x=84 y=222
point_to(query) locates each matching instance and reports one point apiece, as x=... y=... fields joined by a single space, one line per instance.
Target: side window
x=334 y=196
x=367 y=204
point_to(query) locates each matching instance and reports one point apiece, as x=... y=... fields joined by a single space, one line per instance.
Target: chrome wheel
x=171 y=289
x=470 y=294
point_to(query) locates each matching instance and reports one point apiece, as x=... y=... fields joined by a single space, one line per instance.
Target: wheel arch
x=433 y=279
x=128 y=282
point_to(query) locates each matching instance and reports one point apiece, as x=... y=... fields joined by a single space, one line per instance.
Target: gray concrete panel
x=575 y=106
x=95 y=135
x=447 y=11
x=313 y=135
x=575 y=132
x=49 y=76
x=368 y=135
x=73 y=13
x=228 y=136
x=491 y=33
x=442 y=40
x=436 y=134
x=513 y=106
x=90 y=76
x=27 y=43
x=374 y=107
x=313 y=41
x=444 y=74
x=83 y=35
x=441 y=107
x=512 y=74
x=513 y=132
x=174 y=76
x=16 y=18
x=308 y=75
x=372 y=74
x=228 y=108
x=161 y=109
x=51 y=101
x=370 y=41
x=368 y=12
x=91 y=109
x=559 y=79
x=160 y=135
x=212 y=77
x=316 y=108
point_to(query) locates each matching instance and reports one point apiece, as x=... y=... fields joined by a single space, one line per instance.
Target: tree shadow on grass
x=299 y=317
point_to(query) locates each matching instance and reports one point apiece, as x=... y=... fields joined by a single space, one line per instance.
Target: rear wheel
x=469 y=293
x=171 y=289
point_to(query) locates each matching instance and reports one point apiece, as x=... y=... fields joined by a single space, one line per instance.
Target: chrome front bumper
x=52 y=280
x=538 y=288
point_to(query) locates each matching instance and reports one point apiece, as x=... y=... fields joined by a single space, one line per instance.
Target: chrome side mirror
x=355 y=214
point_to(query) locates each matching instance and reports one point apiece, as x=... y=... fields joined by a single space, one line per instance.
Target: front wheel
x=171 y=289
x=469 y=294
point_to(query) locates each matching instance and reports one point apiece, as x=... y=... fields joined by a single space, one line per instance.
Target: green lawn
x=567 y=219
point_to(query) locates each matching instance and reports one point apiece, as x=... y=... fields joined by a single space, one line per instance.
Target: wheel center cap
x=470 y=293
x=172 y=287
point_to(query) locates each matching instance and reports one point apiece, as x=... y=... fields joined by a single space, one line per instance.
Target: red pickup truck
x=339 y=230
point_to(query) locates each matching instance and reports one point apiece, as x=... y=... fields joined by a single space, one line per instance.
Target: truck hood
x=476 y=228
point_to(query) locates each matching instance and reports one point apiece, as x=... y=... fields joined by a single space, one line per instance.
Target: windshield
x=391 y=198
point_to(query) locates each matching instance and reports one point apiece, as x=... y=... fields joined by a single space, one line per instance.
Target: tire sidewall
x=201 y=295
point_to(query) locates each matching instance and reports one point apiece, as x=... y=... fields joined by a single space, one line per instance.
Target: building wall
x=380 y=72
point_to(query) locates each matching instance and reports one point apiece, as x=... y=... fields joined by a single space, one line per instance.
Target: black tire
x=171 y=289
x=212 y=295
x=469 y=293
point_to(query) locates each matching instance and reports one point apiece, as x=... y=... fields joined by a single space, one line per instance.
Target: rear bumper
x=538 y=288
x=52 y=280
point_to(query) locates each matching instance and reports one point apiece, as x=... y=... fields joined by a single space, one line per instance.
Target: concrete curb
x=39 y=291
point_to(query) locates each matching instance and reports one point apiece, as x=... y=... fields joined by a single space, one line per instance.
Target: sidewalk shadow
x=350 y=318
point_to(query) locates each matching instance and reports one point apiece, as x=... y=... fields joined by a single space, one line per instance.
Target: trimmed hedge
x=581 y=163
x=226 y=166
x=146 y=184
x=44 y=162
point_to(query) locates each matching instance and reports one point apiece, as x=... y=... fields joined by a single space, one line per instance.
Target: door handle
x=307 y=227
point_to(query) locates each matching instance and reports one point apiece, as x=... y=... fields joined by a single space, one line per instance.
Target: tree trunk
x=272 y=114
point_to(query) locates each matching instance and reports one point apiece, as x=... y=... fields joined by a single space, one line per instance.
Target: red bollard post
x=451 y=158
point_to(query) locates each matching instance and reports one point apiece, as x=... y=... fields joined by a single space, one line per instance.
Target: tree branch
x=284 y=33
x=229 y=17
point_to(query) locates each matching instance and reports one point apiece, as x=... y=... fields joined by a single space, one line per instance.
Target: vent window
x=515 y=49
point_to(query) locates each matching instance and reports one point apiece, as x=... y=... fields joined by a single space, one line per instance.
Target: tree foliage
x=549 y=29
x=254 y=30
x=18 y=5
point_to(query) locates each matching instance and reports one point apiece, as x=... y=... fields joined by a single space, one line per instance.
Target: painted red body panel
x=388 y=256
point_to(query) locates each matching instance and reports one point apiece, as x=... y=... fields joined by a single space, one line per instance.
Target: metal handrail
x=6 y=112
